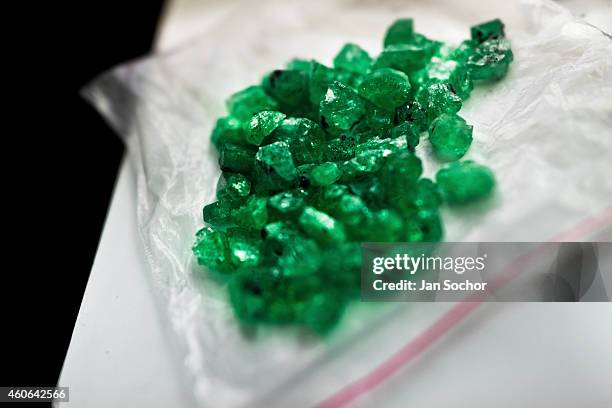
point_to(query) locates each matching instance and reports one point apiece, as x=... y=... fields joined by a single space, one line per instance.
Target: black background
x=60 y=161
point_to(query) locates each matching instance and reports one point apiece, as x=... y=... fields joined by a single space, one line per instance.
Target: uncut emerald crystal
x=236 y=187
x=450 y=137
x=488 y=30
x=401 y=171
x=428 y=194
x=464 y=182
x=321 y=77
x=211 y=249
x=424 y=226
x=291 y=89
x=386 y=88
x=353 y=58
x=305 y=138
x=244 y=247
x=217 y=213
x=274 y=167
x=490 y=60
x=377 y=119
x=450 y=72
x=400 y=32
x=262 y=124
x=409 y=131
x=249 y=101
x=237 y=158
x=403 y=57
x=320 y=226
x=387 y=226
x=253 y=214
x=228 y=129
x=287 y=202
x=341 y=108
x=414 y=113
x=325 y=174
x=438 y=98
x=341 y=148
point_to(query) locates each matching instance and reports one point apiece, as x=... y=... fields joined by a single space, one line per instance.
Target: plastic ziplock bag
x=545 y=130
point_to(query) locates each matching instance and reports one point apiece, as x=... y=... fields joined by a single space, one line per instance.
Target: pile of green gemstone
x=317 y=159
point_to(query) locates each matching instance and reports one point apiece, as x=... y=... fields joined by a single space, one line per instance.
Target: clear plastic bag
x=545 y=130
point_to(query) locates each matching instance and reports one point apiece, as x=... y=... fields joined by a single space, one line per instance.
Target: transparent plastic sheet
x=545 y=130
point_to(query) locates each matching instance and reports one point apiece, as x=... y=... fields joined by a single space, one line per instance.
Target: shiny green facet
x=386 y=88
x=490 y=60
x=400 y=32
x=262 y=124
x=340 y=108
x=321 y=227
x=353 y=58
x=325 y=174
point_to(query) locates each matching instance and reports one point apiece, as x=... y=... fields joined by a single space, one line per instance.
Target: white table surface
x=529 y=354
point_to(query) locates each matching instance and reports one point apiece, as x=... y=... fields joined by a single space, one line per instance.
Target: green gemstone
x=399 y=175
x=291 y=89
x=387 y=226
x=237 y=187
x=437 y=99
x=341 y=148
x=305 y=138
x=424 y=226
x=371 y=191
x=262 y=124
x=217 y=213
x=300 y=258
x=328 y=198
x=320 y=226
x=353 y=58
x=414 y=113
x=274 y=167
x=355 y=215
x=237 y=158
x=488 y=30
x=403 y=57
x=386 y=88
x=298 y=64
x=449 y=72
x=464 y=182
x=409 y=131
x=244 y=104
x=321 y=77
x=378 y=119
x=490 y=60
x=325 y=174
x=287 y=202
x=253 y=214
x=211 y=250
x=340 y=109
x=450 y=137
x=427 y=194
x=228 y=129
x=400 y=32
x=244 y=248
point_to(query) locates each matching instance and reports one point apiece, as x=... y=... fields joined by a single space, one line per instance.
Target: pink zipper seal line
x=454 y=316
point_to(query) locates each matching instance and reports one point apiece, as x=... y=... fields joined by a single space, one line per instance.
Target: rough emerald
x=450 y=137
x=464 y=182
